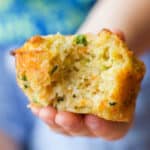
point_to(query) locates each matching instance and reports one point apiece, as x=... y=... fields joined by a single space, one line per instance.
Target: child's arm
x=130 y=16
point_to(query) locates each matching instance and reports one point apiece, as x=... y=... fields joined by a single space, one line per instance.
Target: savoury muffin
x=86 y=74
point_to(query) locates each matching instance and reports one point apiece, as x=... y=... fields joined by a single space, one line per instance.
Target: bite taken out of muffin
x=86 y=74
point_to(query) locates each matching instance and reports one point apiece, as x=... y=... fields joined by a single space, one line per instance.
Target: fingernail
x=58 y=120
x=35 y=111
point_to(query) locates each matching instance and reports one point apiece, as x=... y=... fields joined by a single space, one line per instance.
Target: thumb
x=119 y=33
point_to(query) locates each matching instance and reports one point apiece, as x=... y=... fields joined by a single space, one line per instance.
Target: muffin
x=82 y=73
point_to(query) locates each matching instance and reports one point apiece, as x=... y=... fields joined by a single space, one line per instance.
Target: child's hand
x=82 y=125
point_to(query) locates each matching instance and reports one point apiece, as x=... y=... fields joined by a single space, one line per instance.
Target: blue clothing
x=21 y=19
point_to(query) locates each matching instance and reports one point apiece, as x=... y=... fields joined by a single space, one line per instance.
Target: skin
x=130 y=16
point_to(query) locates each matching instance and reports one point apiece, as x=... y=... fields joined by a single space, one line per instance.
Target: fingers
x=62 y=122
x=35 y=109
x=69 y=121
x=106 y=129
x=48 y=115
x=72 y=123
x=81 y=125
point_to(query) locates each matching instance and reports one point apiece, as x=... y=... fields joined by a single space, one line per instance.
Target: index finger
x=106 y=129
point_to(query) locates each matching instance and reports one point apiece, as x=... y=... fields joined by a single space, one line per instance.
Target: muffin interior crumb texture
x=81 y=73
